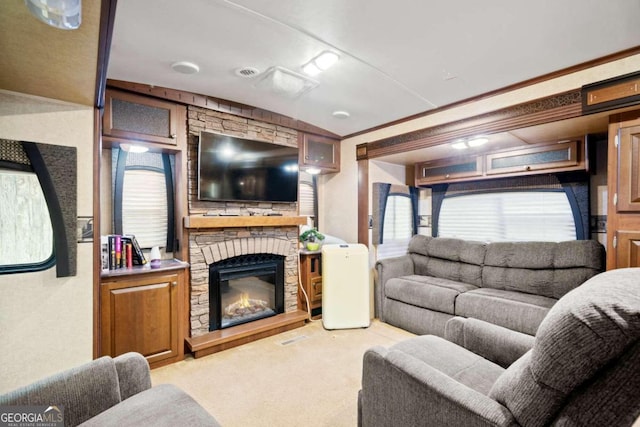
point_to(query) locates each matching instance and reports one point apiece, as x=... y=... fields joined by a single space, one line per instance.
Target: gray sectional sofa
x=481 y=294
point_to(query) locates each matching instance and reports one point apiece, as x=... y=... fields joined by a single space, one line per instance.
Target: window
x=26 y=232
x=508 y=216
x=144 y=198
x=144 y=207
x=397 y=227
x=307 y=195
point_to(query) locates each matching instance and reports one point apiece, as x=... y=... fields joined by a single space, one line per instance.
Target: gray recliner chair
x=112 y=392
x=583 y=370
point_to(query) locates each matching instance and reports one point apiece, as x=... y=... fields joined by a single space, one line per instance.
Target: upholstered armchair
x=583 y=369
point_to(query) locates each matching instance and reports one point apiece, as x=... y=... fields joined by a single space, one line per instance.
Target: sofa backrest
x=84 y=391
x=542 y=268
x=452 y=259
x=583 y=367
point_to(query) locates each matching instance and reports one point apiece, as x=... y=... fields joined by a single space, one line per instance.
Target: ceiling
x=395 y=61
x=397 y=58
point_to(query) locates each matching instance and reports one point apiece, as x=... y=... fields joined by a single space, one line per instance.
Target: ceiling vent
x=285 y=82
x=247 y=72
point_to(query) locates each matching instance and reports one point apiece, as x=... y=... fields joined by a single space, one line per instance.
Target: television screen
x=238 y=169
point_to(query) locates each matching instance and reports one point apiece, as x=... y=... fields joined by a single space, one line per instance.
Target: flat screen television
x=238 y=169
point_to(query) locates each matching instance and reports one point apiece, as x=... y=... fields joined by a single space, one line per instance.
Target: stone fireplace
x=213 y=248
x=245 y=288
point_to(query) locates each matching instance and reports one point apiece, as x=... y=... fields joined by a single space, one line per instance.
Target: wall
x=341 y=189
x=46 y=323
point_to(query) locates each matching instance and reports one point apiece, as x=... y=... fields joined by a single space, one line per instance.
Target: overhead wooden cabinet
x=623 y=222
x=536 y=159
x=143 y=312
x=139 y=118
x=319 y=152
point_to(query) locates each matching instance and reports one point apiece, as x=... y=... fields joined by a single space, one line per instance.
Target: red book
x=129 y=255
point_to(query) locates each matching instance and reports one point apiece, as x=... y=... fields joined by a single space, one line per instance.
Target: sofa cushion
x=589 y=329
x=541 y=268
x=456 y=362
x=162 y=405
x=452 y=259
x=426 y=292
x=513 y=310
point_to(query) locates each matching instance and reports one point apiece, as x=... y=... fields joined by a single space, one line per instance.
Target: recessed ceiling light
x=185 y=67
x=459 y=145
x=313 y=171
x=341 y=114
x=478 y=141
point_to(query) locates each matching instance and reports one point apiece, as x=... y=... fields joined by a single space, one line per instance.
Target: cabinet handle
x=447 y=176
x=174 y=283
x=527 y=168
x=173 y=136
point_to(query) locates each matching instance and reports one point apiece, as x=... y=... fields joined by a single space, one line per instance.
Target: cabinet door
x=629 y=170
x=448 y=170
x=315 y=294
x=553 y=156
x=141 y=315
x=320 y=152
x=140 y=118
x=628 y=249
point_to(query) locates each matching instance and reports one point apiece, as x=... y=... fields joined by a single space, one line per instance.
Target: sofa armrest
x=398 y=389
x=387 y=269
x=84 y=391
x=495 y=343
x=134 y=375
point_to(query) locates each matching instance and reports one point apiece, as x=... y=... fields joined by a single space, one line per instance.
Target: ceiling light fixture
x=185 y=67
x=320 y=63
x=133 y=148
x=341 y=114
x=63 y=14
x=313 y=171
x=476 y=141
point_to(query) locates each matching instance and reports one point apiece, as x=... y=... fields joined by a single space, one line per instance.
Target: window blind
x=397 y=227
x=306 y=204
x=144 y=207
x=508 y=216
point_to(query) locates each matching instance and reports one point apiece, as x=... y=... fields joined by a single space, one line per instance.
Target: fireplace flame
x=244 y=300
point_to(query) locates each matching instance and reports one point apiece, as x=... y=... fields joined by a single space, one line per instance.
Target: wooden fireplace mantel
x=204 y=221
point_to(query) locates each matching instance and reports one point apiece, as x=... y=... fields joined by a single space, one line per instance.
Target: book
x=104 y=252
x=129 y=262
x=137 y=256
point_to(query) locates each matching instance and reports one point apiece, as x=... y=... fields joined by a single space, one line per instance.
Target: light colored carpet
x=305 y=377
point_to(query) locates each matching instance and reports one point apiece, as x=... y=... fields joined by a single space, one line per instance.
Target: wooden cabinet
x=142 y=310
x=311 y=279
x=319 y=152
x=140 y=118
x=547 y=157
x=543 y=158
x=623 y=218
x=448 y=169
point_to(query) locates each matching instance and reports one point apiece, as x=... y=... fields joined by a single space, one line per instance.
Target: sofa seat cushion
x=513 y=310
x=163 y=405
x=454 y=361
x=426 y=292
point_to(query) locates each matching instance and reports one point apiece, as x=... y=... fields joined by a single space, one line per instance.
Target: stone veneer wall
x=207 y=246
